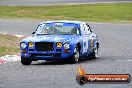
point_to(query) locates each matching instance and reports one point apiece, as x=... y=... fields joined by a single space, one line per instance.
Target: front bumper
x=47 y=55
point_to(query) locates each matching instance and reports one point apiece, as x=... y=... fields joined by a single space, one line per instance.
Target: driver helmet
x=47 y=30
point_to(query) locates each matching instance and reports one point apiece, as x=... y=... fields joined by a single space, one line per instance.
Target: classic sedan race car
x=59 y=40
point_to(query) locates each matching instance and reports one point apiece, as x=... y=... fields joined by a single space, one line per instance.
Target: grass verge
x=117 y=12
x=9 y=44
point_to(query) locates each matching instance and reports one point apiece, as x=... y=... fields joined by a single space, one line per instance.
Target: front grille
x=44 y=46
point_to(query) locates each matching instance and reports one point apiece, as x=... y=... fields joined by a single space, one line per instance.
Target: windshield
x=58 y=28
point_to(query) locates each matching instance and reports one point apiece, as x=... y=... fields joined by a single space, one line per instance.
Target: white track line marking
x=19 y=35
x=24 y=36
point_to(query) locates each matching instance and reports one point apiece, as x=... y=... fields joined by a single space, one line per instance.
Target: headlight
x=59 y=44
x=66 y=46
x=23 y=45
x=31 y=44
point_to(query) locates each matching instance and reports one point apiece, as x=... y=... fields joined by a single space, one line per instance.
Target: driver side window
x=75 y=30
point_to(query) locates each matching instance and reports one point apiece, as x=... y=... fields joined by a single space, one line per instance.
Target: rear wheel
x=95 y=53
x=76 y=54
x=26 y=61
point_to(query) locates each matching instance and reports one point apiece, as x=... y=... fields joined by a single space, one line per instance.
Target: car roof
x=63 y=21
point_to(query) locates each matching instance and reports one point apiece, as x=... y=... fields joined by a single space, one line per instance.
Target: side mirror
x=33 y=32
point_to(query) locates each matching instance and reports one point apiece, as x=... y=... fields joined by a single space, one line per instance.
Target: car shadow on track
x=82 y=60
x=101 y=59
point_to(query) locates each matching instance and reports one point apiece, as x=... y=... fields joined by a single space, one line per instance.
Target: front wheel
x=95 y=53
x=26 y=61
x=76 y=54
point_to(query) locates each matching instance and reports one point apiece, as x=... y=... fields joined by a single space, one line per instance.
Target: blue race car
x=59 y=40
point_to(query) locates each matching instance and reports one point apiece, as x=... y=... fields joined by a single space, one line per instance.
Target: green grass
x=89 y=12
x=9 y=44
x=8 y=50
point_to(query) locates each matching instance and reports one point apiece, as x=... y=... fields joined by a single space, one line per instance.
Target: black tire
x=75 y=57
x=95 y=53
x=26 y=61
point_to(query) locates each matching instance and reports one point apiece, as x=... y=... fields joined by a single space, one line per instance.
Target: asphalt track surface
x=115 y=57
x=54 y=2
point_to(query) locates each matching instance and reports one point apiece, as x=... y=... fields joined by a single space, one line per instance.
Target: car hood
x=50 y=38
